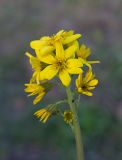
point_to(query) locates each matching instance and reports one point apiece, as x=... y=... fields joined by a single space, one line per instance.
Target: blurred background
x=22 y=136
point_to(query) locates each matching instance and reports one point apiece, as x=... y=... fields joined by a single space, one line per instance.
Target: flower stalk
x=77 y=132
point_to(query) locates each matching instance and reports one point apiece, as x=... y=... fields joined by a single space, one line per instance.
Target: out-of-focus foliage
x=22 y=136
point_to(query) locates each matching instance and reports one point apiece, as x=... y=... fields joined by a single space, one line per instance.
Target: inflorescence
x=60 y=56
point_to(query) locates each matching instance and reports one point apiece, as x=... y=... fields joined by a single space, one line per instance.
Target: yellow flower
x=35 y=89
x=43 y=114
x=68 y=117
x=86 y=84
x=65 y=37
x=36 y=66
x=47 y=44
x=84 y=53
x=62 y=64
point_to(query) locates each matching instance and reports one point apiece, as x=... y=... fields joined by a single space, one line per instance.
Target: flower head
x=68 y=116
x=86 y=84
x=35 y=89
x=43 y=114
x=83 y=53
x=36 y=66
x=62 y=64
x=65 y=37
x=47 y=44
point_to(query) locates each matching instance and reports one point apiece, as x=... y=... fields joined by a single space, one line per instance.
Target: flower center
x=61 y=64
x=68 y=117
x=84 y=87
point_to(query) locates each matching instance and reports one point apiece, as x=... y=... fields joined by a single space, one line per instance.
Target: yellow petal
x=46 y=118
x=88 y=76
x=36 y=65
x=79 y=81
x=43 y=116
x=49 y=59
x=90 y=88
x=32 y=87
x=59 y=51
x=45 y=39
x=34 y=61
x=87 y=93
x=42 y=76
x=40 y=112
x=49 y=72
x=71 y=38
x=38 y=98
x=46 y=50
x=38 y=77
x=65 y=77
x=38 y=53
x=80 y=90
x=37 y=44
x=74 y=70
x=70 y=51
x=71 y=63
x=80 y=78
x=59 y=32
x=35 y=77
x=93 y=82
x=71 y=32
x=28 y=54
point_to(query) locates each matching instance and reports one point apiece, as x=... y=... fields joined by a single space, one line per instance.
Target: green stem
x=77 y=132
